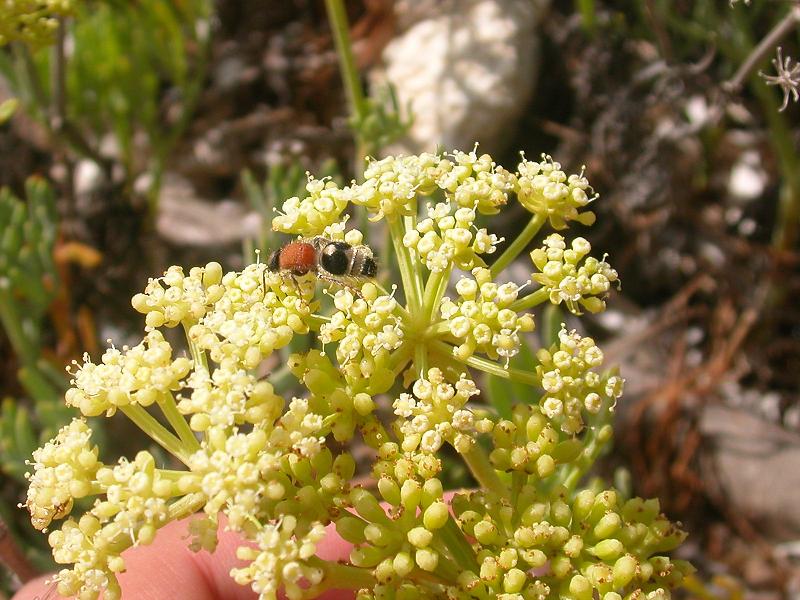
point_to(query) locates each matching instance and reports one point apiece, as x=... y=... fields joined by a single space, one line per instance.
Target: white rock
x=466 y=69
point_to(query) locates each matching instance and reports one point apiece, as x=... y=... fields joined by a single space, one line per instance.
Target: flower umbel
x=261 y=433
x=566 y=281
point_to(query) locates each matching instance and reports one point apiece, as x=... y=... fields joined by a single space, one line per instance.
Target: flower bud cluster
x=310 y=216
x=391 y=184
x=365 y=331
x=235 y=471
x=349 y=401
x=247 y=323
x=572 y=385
x=63 y=470
x=140 y=375
x=176 y=298
x=436 y=413
x=395 y=463
x=279 y=558
x=482 y=321
x=136 y=497
x=136 y=506
x=566 y=281
x=478 y=182
x=320 y=489
x=228 y=397
x=595 y=545
x=544 y=189
x=391 y=188
x=279 y=472
x=530 y=444
x=403 y=540
x=33 y=22
x=446 y=240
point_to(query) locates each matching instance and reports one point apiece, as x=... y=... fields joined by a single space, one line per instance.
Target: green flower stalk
x=279 y=469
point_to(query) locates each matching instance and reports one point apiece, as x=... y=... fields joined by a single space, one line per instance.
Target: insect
x=330 y=260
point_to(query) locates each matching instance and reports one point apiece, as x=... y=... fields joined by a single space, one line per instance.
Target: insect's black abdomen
x=273 y=262
x=369 y=268
x=335 y=258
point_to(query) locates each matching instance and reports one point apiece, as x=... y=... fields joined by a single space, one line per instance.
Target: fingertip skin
x=37 y=589
x=169 y=570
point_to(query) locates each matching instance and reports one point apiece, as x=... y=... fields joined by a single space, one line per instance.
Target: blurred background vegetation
x=139 y=134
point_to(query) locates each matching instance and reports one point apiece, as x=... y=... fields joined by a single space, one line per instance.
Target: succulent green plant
x=28 y=283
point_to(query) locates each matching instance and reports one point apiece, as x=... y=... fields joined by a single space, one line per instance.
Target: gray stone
x=753 y=467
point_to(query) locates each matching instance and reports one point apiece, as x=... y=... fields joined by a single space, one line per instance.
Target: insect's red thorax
x=297 y=257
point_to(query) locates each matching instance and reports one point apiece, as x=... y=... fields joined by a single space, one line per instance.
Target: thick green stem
x=488 y=366
x=177 y=474
x=316 y=321
x=337 y=16
x=439 y=329
x=445 y=571
x=400 y=357
x=411 y=280
x=518 y=479
x=599 y=434
x=338 y=576
x=421 y=360
x=160 y=434
x=178 y=423
x=519 y=244
x=409 y=222
x=199 y=359
x=593 y=444
x=188 y=505
x=434 y=291
x=484 y=473
x=517 y=375
x=535 y=299
x=459 y=547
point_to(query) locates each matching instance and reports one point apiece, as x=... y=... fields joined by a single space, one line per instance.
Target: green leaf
x=56 y=375
x=39 y=388
x=17 y=439
x=24 y=437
